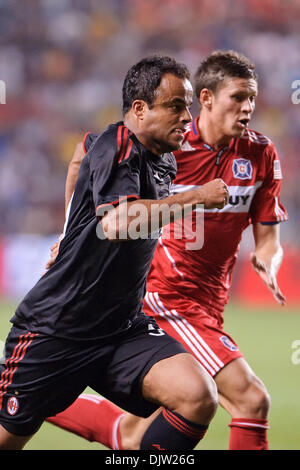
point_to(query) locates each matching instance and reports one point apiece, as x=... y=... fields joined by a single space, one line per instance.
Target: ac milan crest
x=12 y=405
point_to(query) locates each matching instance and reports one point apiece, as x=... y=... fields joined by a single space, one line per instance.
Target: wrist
x=201 y=195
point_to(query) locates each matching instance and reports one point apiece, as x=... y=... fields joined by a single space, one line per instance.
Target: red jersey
x=251 y=168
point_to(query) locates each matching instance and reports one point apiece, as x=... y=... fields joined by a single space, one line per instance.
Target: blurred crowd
x=64 y=61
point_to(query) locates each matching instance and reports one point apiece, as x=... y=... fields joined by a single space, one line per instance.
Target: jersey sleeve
x=266 y=206
x=88 y=141
x=114 y=170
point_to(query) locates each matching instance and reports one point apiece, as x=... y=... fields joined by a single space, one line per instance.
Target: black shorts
x=43 y=375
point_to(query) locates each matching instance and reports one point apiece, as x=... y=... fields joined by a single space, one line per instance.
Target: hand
x=54 y=252
x=268 y=274
x=216 y=194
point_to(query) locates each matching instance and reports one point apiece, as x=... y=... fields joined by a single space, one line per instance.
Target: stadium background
x=63 y=63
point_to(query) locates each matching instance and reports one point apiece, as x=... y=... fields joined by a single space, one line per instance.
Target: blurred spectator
x=64 y=61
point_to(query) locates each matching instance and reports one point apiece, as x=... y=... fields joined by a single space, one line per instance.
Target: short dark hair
x=219 y=65
x=144 y=77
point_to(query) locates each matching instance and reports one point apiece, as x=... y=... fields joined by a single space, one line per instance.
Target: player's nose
x=186 y=116
x=248 y=106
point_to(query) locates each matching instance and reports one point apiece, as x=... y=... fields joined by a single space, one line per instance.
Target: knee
x=255 y=401
x=207 y=403
x=182 y=385
x=199 y=403
x=261 y=401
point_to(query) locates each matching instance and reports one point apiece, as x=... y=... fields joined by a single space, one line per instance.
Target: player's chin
x=176 y=142
x=238 y=132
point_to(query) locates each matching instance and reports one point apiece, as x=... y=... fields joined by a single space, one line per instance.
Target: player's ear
x=139 y=108
x=206 y=98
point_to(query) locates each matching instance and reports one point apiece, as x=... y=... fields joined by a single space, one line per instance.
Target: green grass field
x=265 y=336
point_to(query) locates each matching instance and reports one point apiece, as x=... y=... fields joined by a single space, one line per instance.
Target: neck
x=211 y=134
x=132 y=124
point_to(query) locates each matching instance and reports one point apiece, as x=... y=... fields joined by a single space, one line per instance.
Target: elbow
x=109 y=229
x=105 y=232
x=112 y=236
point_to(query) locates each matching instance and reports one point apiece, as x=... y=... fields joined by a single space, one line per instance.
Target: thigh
x=178 y=379
x=198 y=331
x=10 y=441
x=144 y=345
x=41 y=376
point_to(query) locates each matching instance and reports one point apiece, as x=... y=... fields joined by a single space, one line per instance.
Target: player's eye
x=239 y=98
x=176 y=108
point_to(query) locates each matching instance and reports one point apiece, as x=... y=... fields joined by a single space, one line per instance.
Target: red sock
x=93 y=418
x=248 y=434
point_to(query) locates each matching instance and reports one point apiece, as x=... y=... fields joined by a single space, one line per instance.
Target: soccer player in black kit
x=82 y=323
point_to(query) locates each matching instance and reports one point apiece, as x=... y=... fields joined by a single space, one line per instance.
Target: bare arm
x=146 y=216
x=267 y=257
x=72 y=175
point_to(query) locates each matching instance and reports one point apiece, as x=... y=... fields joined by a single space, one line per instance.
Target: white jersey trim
x=90 y=397
x=240 y=197
x=170 y=257
x=67 y=216
x=116 y=444
x=201 y=350
x=256 y=138
x=280 y=214
x=253 y=425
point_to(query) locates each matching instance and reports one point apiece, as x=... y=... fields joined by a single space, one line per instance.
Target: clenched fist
x=215 y=194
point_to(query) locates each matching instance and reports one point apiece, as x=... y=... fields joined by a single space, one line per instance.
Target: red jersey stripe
x=183 y=427
x=118 y=201
x=8 y=362
x=119 y=137
x=124 y=141
x=129 y=147
x=83 y=141
x=11 y=367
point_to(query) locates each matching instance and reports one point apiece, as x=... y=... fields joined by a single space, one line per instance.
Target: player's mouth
x=243 y=123
x=179 y=131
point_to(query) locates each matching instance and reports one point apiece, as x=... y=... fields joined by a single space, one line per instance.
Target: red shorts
x=200 y=333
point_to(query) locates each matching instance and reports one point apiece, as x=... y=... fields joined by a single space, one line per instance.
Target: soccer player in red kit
x=187 y=288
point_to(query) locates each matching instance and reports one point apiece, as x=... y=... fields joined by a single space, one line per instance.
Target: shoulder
x=92 y=140
x=114 y=134
x=262 y=150
x=116 y=141
x=254 y=143
x=89 y=140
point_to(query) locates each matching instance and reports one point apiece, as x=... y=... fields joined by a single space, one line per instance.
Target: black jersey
x=96 y=287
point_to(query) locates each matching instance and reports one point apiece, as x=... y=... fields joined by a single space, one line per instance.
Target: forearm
x=142 y=217
x=267 y=242
x=72 y=175
x=267 y=258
